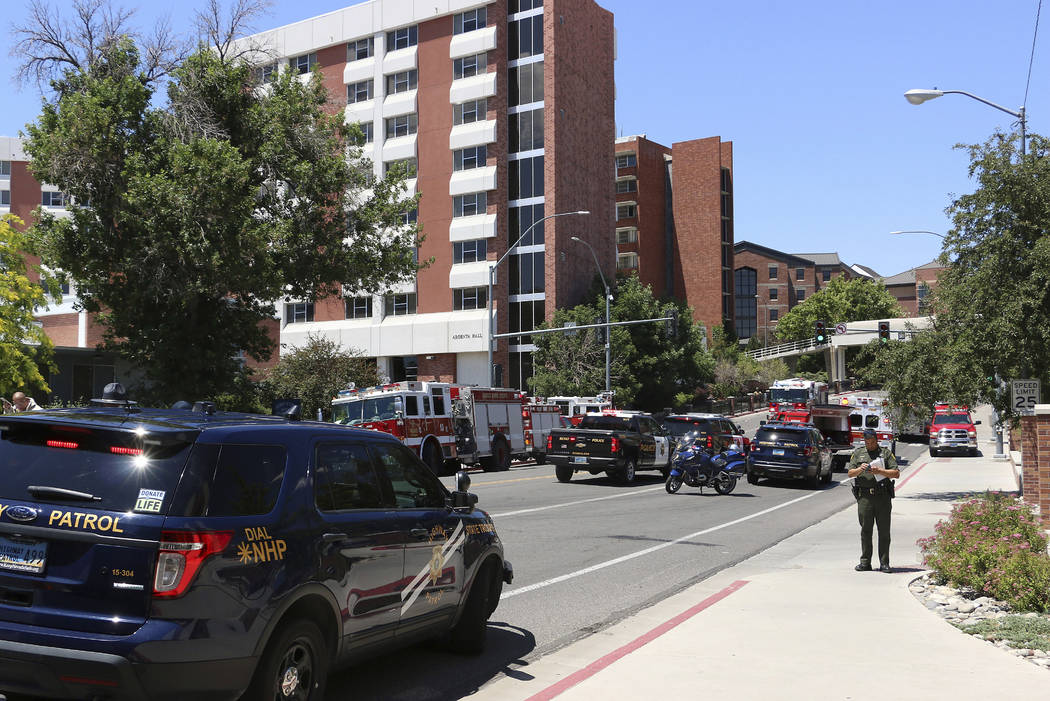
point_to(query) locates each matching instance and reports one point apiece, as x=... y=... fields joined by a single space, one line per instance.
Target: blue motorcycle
x=695 y=465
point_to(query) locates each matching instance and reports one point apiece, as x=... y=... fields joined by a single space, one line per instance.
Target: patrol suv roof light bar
x=492 y=279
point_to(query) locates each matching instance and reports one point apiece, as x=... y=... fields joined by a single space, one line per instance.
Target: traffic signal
x=820 y=332
x=884 y=332
x=671 y=325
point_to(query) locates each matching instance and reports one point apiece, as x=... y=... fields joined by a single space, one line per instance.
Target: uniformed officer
x=873 y=497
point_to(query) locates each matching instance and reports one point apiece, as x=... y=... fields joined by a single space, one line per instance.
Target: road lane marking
x=576 y=503
x=519 y=479
x=598 y=665
x=647 y=551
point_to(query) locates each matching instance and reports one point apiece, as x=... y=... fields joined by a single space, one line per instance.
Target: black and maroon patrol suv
x=175 y=554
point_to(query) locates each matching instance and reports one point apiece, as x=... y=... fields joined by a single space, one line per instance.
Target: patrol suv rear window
x=110 y=469
x=606 y=423
x=230 y=480
x=680 y=427
x=773 y=435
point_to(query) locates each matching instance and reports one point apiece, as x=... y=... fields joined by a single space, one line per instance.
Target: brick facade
x=1035 y=451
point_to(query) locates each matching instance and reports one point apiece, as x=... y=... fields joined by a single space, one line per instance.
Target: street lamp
x=608 y=382
x=918 y=231
x=492 y=278
x=919 y=96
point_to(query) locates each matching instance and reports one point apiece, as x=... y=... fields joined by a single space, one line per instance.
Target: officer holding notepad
x=873 y=470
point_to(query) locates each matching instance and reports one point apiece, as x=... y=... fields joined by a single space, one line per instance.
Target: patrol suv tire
x=563 y=473
x=294 y=665
x=468 y=635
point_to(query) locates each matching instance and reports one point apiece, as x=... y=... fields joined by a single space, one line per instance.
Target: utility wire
x=1031 y=58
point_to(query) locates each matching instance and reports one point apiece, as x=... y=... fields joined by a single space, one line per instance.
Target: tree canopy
x=24 y=346
x=841 y=300
x=649 y=369
x=191 y=220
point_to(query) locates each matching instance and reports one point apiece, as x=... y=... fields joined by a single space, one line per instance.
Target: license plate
x=22 y=555
x=778 y=451
x=580 y=461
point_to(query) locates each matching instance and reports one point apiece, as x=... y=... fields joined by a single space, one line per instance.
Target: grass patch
x=1017 y=631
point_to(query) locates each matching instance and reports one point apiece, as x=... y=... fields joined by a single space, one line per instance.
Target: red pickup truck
x=952 y=429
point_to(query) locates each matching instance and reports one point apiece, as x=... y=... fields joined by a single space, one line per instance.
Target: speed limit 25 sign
x=1024 y=395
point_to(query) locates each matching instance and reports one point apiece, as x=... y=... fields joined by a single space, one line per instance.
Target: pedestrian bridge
x=853 y=333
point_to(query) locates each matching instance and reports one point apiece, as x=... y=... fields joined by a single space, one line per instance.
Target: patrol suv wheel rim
x=294 y=681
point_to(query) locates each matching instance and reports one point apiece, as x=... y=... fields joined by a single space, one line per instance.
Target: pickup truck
x=953 y=429
x=618 y=443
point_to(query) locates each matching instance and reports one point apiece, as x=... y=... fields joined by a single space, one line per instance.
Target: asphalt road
x=588 y=553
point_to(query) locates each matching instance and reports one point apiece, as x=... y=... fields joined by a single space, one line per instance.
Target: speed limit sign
x=1024 y=395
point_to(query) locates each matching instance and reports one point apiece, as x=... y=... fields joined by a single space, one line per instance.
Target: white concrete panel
x=401 y=103
x=470 y=43
x=400 y=60
x=299 y=39
x=402 y=288
x=360 y=336
x=466 y=331
x=359 y=70
x=401 y=147
x=327 y=30
x=11 y=149
x=357 y=21
x=473 y=180
x=473 y=134
x=472 y=88
x=360 y=112
x=470 y=368
x=480 y=226
x=396 y=334
x=399 y=13
x=469 y=275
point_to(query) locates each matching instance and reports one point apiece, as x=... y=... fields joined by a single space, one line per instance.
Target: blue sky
x=828 y=155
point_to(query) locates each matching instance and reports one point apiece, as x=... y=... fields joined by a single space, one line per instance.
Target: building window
x=52 y=199
x=626 y=236
x=470 y=204
x=800 y=273
x=362 y=48
x=401 y=82
x=408 y=165
x=772 y=272
x=526 y=178
x=825 y=274
x=399 y=305
x=527 y=273
x=520 y=219
x=627 y=261
x=5 y=198
x=525 y=37
x=774 y=314
x=410 y=218
x=525 y=316
x=469 y=66
x=303 y=64
x=526 y=84
x=401 y=125
x=922 y=291
x=469 y=158
x=626 y=160
x=800 y=295
x=522 y=5
x=367 y=133
x=404 y=368
x=626 y=211
x=298 y=313
x=401 y=38
x=526 y=130
x=746 y=288
x=468 y=112
x=629 y=185
x=774 y=294
x=5 y=167
x=262 y=74
x=359 y=92
x=358 y=307
x=469 y=251
x=469 y=298
x=469 y=21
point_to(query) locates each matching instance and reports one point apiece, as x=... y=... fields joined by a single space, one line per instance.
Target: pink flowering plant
x=994 y=546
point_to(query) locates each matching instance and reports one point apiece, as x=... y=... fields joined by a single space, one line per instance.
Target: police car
x=174 y=554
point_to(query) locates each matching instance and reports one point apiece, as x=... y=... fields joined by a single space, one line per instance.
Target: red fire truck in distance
x=795 y=393
x=448 y=425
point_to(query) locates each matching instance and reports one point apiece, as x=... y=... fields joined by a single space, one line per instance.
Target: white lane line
x=646 y=551
x=575 y=503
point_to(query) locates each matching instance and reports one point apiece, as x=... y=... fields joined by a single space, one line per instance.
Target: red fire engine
x=539 y=417
x=447 y=424
x=795 y=393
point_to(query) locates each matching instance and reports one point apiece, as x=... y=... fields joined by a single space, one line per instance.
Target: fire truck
x=576 y=407
x=448 y=425
x=871 y=412
x=795 y=393
x=540 y=417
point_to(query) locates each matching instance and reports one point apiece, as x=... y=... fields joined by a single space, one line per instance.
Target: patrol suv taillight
x=181 y=555
x=614 y=446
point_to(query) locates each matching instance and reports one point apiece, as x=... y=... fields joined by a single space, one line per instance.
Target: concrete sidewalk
x=797 y=622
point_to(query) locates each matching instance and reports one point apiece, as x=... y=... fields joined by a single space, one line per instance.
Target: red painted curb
x=593 y=668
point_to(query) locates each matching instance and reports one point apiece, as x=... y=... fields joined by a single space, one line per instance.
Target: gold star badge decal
x=244 y=551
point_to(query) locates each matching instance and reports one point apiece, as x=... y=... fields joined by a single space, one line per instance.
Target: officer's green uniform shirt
x=861 y=456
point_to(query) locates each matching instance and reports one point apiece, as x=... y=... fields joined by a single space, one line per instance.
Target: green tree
x=649 y=369
x=315 y=372
x=24 y=346
x=191 y=220
x=841 y=300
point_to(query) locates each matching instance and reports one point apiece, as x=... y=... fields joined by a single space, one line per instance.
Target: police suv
x=174 y=554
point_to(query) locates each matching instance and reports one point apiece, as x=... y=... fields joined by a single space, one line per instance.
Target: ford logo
x=22 y=513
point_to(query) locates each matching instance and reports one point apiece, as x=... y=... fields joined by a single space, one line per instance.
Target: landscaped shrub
x=994 y=546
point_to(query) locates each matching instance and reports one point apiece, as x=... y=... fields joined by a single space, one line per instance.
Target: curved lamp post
x=608 y=382
x=919 y=96
x=492 y=278
x=918 y=231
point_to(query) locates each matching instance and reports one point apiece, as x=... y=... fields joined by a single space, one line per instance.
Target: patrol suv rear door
x=81 y=514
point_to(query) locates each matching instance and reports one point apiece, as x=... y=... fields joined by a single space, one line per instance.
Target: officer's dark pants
x=874 y=510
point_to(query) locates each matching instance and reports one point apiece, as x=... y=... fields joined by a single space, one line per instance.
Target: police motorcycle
x=698 y=465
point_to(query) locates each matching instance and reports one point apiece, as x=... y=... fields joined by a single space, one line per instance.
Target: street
x=587 y=554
